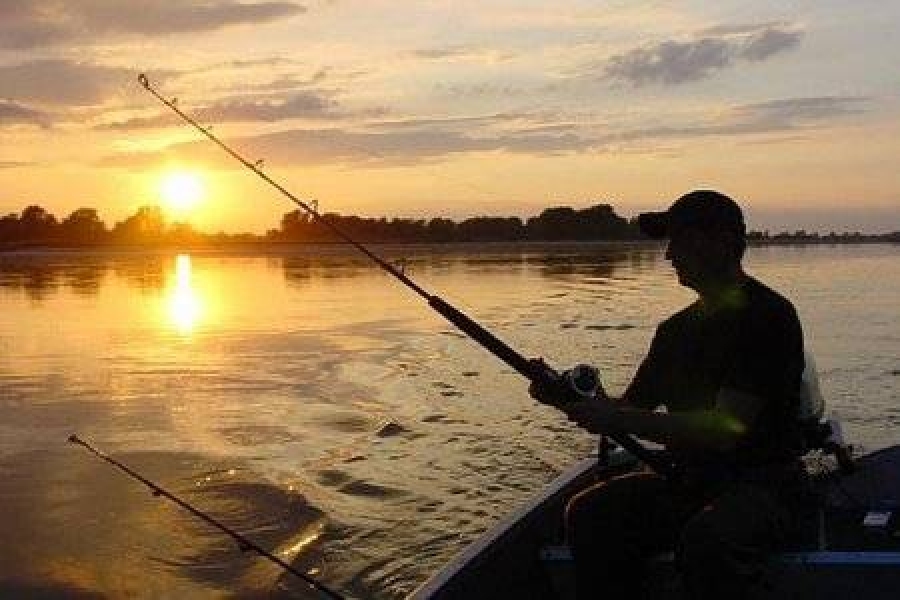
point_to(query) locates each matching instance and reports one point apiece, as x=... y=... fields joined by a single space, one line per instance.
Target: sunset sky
x=456 y=108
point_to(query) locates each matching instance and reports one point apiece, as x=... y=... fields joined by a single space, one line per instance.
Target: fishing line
x=535 y=371
x=243 y=543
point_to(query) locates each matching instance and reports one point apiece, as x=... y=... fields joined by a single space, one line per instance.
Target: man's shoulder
x=680 y=320
x=760 y=303
x=766 y=302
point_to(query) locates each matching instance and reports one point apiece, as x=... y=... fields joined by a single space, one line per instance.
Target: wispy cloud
x=463 y=52
x=488 y=89
x=674 y=62
x=28 y=24
x=443 y=123
x=62 y=82
x=12 y=164
x=310 y=82
x=411 y=141
x=304 y=105
x=775 y=117
x=797 y=112
x=384 y=148
x=12 y=113
x=768 y=42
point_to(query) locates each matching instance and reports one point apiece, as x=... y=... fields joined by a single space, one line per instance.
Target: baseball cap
x=706 y=209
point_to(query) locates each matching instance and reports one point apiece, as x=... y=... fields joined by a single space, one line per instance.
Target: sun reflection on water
x=185 y=305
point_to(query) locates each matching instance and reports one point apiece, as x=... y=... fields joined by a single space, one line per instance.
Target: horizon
x=169 y=226
x=453 y=110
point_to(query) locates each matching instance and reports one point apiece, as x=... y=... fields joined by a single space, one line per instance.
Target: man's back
x=752 y=343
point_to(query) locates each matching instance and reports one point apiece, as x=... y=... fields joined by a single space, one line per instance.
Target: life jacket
x=811 y=405
x=820 y=433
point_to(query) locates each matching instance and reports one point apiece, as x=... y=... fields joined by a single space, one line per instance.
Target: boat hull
x=523 y=556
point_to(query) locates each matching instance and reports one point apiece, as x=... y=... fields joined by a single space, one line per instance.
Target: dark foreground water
x=323 y=410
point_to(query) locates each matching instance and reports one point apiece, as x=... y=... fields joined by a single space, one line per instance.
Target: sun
x=182 y=190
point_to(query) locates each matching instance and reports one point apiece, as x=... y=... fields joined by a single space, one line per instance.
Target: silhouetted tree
x=485 y=229
x=600 y=222
x=147 y=225
x=183 y=234
x=36 y=224
x=557 y=223
x=441 y=230
x=83 y=226
x=9 y=229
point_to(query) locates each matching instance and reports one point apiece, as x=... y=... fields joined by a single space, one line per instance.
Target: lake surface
x=322 y=409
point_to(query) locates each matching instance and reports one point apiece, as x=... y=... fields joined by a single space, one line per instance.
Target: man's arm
x=718 y=429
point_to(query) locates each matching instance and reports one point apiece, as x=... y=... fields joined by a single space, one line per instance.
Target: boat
x=852 y=550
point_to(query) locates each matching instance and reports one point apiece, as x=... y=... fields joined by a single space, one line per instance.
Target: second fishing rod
x=581 y=381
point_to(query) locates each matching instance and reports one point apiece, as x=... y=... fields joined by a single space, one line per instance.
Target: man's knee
x=719 y=550
x=615 y=511
x=586 y=513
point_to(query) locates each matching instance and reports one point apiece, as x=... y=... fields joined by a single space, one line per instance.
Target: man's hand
x=558 y=389
x=597 y=415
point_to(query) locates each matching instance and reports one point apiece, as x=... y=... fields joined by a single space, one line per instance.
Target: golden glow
x=185 y=307
x=182 y=190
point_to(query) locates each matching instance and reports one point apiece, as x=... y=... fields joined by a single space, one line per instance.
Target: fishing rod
x=243 y=543
x=580 y=381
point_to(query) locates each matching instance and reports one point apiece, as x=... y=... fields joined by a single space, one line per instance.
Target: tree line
x=37 y=227
x=599 y=222
x=83 y=227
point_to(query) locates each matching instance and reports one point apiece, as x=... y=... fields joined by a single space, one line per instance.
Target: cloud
x=12 y=113
x=304 y=105
x=463 y=53
x=28 y=24
x=151 y=17
x=738 y=29
x=336 y=81
x=385 y=147
x=796 y=112
x=291 y=82
x=770 y=41
x=444 y=123
x=670 y=62
x=412 y=141
x=676 y=62
x=777 y=116
x=495 y=90
x=62 y=82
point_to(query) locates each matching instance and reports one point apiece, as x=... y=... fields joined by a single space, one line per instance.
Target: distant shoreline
x=263 y=247
x=147 y=230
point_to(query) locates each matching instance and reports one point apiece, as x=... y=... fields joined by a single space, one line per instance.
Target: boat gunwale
x=479 y=549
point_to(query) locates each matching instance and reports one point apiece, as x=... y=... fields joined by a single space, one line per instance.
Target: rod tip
x=74 y=439
x=142 y=79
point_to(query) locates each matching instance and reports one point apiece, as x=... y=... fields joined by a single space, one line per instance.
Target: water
x=320 y=408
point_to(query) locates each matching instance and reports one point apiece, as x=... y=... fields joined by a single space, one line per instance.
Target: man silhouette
x=727 y=369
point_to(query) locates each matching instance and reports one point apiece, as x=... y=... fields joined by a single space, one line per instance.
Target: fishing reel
x=581 y=382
